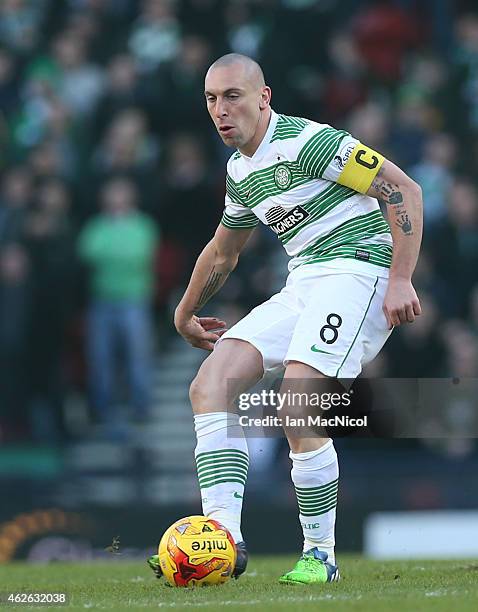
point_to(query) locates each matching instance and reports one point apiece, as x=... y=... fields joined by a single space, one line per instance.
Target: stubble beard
x=234 y=141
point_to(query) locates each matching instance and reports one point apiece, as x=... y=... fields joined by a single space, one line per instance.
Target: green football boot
x=312 y=568
x=153 y=563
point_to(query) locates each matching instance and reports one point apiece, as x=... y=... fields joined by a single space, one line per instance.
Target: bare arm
x=403 y=198
x=213 y=266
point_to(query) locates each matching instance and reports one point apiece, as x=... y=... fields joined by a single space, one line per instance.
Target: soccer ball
x=197 y=551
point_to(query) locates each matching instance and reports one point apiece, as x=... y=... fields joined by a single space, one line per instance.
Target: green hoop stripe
x=317 y=503
x=320 y=504
x=327 y=485
x=260 y=185
x=242 y=473
x=350 y=253
x=218 y=469
x=215 y=462
x=317 y=492
x=317 y=500
x=288 y=127
x=361 y=227
x=245 y=222
x=319 y=150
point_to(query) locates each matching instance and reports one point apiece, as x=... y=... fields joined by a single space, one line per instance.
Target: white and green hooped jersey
x=290 y=185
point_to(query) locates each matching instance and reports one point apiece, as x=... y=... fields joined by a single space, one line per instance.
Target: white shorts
x=330 y=319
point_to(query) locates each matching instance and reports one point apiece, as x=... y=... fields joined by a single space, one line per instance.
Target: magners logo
x=281 y=221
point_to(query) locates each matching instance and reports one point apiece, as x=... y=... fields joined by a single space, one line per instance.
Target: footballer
x=349 y=284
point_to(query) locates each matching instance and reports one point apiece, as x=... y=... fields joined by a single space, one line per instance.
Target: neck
x=262 y=125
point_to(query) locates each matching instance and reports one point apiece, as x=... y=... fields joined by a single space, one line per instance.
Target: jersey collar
x=262 y=148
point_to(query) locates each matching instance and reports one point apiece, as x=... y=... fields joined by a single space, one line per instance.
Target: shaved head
x=238 y=101
x=251 y=69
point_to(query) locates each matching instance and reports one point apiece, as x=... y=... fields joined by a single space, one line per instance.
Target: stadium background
x=103 y=97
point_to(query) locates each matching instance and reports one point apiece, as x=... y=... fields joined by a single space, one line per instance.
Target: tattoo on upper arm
x=391 y=194
x=213 y=283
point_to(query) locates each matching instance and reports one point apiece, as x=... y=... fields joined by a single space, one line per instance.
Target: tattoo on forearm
x=404 y=224
x=389 y=193
x=213 y=283
x=396 y=197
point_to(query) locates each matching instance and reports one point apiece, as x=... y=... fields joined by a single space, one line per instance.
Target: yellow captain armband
x=361 y=168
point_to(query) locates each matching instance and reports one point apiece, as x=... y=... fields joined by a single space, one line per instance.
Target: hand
x=197 y=330
x=401 y=304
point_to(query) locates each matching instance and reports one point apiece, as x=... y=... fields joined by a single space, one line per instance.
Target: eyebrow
x=227 y=91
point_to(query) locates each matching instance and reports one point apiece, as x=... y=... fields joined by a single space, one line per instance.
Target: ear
x=265 y=97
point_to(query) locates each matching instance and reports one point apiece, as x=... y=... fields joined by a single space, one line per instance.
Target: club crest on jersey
x=281 y=221
x=282 y=176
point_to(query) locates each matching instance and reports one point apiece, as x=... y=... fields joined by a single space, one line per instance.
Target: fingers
x=410 y=314
x=209 y=320
x=405 y=314
x=394 y=317
x=211 y=336
x=208 y=323
x=397 y=316
x=205 y=340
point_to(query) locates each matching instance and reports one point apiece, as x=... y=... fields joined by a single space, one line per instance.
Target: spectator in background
x=15 y=306
x=123 y=90
x=410 y=129
x=370 y=122
x=20 y=21
x=27 y=123
x=245 y=32
x=434 y=173
x=188 y=207
x=118 y=247
x=80 y=82
x=384 y=34
x=462 y=353
x=418 y=351
x=474 y=310
x=156 y=35
x=465 y=66
x=129 y=149
x=345 y=85
x=454 y=244
x=15 y=198
x=44 y=162
x=8 y=82
x=181 y=80
x=48 y=241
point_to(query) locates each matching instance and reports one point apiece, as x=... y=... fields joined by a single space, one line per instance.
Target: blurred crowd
x=112 y=176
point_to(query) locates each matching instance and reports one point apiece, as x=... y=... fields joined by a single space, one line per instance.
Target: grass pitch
x=366 y=586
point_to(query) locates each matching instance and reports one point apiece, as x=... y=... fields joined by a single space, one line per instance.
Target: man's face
x=234 y=103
